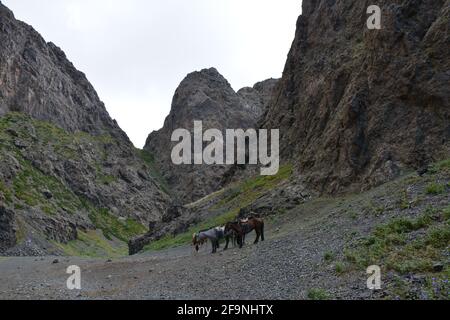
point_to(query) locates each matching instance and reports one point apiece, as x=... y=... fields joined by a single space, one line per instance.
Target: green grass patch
x=340 y=268
x=329 y=256
x=243 y=194
x=93 y=244
x=318 y=294
x=6 y=192
x=446 y=213
x=30 y=184
x=114 y=227
x=21 y=230
x=435 y=188
x=442 y=166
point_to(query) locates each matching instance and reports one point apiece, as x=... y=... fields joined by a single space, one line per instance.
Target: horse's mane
x=205 y=230
x=252 y=217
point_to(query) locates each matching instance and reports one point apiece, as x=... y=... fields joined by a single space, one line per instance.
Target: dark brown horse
x=244 y=227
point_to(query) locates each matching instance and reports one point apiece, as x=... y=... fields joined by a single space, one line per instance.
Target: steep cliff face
x=36 y=78
x=66 y=167
x=208 y=97
x=355 y=106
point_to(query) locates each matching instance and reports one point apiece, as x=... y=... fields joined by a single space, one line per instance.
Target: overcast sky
x=136 y=52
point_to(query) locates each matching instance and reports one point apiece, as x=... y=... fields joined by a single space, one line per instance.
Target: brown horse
x=244 y=227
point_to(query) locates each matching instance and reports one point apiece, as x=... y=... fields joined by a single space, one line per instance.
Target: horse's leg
x=241 y=240
x=217 y=244
x=213 y=243
x=227 y=241
x=257 y=236
x=262 y=231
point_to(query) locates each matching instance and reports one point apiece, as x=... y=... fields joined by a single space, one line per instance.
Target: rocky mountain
x=257 y=98
x=208 y=97
x=357 y=107
x=36 y=78
x=67 y=171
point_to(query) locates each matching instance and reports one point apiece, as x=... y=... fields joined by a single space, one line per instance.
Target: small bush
x=440 y=166
x=339 y=268
x=446 y=213
x=328 y=256
x=435 y=189
x=318 y=294
x=438 y=237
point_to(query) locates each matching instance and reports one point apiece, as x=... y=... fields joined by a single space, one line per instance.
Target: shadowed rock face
x=205 y=96
x=65 y=164
x=355 y=107
x=257 y=99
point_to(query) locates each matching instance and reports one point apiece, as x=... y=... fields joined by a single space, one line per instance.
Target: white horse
x=214 y=235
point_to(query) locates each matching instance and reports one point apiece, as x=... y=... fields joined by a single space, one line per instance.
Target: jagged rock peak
x=204 y=96
x=207 y=74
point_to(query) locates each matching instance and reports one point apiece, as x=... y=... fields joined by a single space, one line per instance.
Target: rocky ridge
x=208 y=97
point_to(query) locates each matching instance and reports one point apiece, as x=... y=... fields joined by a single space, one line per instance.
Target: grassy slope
x=93 y=244
x=418 y=245
x=26 y=189
x=409 y=237
x=149 y=159
x=238 y=196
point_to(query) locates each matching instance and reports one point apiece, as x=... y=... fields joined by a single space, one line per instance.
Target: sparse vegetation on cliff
x=37 y=181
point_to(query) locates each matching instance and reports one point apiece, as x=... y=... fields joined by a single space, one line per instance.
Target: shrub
x=339 y=268
x=328 y=256
x=435 y=189
x=318 y=294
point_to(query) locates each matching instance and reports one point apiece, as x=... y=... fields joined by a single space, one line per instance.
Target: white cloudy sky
x=136 y=52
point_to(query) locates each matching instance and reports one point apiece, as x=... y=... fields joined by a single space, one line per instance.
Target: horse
x=214 y=235
x=244 y=227
x=232 y=236
x=198 y=243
